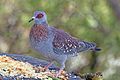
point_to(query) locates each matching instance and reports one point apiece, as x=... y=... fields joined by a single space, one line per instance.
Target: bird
x=55 y=44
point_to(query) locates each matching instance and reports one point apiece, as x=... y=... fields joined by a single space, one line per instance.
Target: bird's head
x=39 y=17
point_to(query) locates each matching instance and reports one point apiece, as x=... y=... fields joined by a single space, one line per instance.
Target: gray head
x=39 y=17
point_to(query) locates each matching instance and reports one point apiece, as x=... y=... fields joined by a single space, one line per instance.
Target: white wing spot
x=74 y=46
x=70 y=45
x=67 y=50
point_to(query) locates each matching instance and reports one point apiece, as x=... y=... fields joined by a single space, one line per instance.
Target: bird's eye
x=39 y=15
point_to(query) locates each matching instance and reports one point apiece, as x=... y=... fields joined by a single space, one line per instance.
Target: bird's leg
x=61 y=70
x=61 y=61
x=47 y=66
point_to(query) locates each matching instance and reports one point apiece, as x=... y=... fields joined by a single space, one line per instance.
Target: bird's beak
x=32 y=19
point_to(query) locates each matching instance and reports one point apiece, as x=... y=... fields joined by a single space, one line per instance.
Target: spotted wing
x=63 y=43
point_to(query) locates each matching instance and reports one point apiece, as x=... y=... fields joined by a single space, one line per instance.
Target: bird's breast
x=38 y=32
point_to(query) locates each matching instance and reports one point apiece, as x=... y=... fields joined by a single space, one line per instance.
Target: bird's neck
x=44 y=24
x=41 y=21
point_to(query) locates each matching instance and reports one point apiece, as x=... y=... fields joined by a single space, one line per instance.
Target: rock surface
x=35 y=62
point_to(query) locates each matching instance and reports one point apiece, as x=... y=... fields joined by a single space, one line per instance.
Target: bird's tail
x=94 y=48
x=97 y=49
x=91 y=46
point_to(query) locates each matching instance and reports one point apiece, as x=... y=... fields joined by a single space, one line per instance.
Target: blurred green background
x=91 y=20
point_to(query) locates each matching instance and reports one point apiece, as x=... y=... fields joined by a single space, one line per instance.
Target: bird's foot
x=47 y=66
x=60 y=72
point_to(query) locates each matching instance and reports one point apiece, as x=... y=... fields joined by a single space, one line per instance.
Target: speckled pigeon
x=54 y=44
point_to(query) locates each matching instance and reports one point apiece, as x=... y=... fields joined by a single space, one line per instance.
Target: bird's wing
x=63 y=43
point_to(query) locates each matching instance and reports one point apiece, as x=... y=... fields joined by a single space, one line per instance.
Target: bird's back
x=65 y=44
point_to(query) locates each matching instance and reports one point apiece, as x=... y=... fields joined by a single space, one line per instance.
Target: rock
x=35 y=62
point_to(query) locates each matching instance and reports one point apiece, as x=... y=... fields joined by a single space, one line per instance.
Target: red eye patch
x=39 y=15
